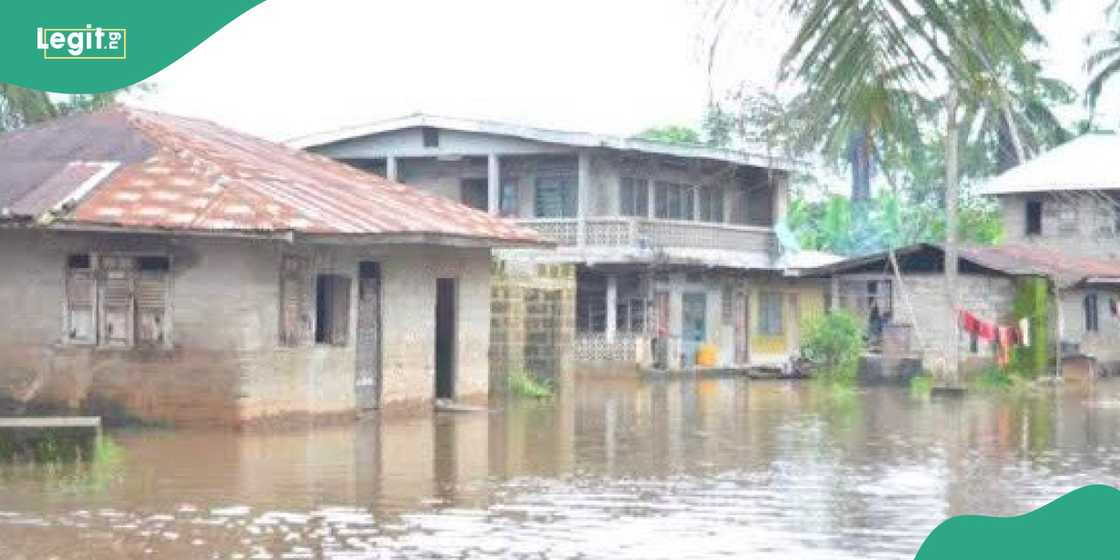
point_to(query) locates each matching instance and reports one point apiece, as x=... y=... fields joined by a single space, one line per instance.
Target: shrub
x=525 y=384
x=833 y=342
x=921 y=385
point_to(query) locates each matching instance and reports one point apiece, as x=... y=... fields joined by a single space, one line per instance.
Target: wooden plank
x=51 y=422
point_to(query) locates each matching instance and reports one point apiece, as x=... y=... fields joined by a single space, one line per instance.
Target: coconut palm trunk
x=950 y=374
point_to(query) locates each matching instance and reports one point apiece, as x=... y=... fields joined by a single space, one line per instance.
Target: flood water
x=612 y=468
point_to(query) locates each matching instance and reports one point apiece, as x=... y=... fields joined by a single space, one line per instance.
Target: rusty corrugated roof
x=1010 y=260
x=177 y=173
x=1034 y=260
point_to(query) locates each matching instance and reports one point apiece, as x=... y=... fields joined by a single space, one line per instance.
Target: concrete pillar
x=612 y=306
x=781 y=197
x=583 y=186
x=493 y=184
x=391 y=168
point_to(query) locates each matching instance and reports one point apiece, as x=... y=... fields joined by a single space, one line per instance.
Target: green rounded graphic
x=1081 y=525
x=94 y=46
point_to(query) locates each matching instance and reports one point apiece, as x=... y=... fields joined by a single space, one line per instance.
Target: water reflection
x=618 y=467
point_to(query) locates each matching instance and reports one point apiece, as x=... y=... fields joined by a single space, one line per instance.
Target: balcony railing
x=655 y=234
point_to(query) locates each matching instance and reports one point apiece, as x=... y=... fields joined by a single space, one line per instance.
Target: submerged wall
x=532 y=319
x=223 y=362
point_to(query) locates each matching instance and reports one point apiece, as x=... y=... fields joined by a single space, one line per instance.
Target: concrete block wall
x=224 y=364
x=1104 y=344
x=990 y=298
x=1089 y=236
x=532 y=319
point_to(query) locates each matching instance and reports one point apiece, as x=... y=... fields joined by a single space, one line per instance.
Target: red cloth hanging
x=987 y=331
x=1007 y=338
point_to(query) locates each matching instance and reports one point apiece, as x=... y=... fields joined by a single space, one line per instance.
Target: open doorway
x=446 y=350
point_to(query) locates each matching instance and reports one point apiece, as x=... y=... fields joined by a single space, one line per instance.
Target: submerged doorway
x=694 y=328
x=367 y=378
x=446 y=307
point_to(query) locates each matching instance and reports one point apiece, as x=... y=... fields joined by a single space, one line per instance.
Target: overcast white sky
x=290 y=67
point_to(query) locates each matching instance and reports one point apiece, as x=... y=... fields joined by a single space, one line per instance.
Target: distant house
x=669 y=249
x=906 y=313
x=168 y=269
x=1067 y=199
x=1064 y=206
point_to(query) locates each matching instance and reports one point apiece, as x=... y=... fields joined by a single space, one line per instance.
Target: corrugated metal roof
x=1040 y=261
x=757 y=156
x=1010 y=260
x=185 y=174
x=1084 y=163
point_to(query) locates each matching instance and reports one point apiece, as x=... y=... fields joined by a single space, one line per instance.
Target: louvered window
x=295 y=301
x=117 y=301
x=80 y=297
x=151 y=300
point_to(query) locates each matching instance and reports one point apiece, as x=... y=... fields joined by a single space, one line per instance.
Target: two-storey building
x=1066 y=203
x=671 y=248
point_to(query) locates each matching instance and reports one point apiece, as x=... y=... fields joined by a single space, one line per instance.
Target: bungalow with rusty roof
x=168 y=269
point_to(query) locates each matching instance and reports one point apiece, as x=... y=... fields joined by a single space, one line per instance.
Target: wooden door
x=367 y=379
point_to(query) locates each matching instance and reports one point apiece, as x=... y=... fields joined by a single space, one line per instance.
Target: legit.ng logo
x=88 y=43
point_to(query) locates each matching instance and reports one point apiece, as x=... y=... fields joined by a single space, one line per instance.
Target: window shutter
x=116 y=302
x=151 y=306
x=80 y=297
x=340 y=310
x=295 y=303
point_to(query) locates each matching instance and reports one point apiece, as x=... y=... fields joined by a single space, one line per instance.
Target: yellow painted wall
x=810 y=296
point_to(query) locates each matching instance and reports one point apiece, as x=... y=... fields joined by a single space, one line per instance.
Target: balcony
x=645 y=233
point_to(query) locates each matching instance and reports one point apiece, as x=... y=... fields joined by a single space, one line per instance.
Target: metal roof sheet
x=756 y=157
x=1084 y=163
x=193 y=175
x=1010 y=260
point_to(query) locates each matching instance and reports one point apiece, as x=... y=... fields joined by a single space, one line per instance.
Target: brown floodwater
x=612 y=468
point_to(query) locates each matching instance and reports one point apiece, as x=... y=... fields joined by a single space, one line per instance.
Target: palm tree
x=846 y=50
x=1104 y=63
x=20 y=107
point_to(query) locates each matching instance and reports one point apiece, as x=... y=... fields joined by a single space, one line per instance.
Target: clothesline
x=1004 y=337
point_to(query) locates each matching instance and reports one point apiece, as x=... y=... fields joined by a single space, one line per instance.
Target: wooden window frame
x=1092 y=309
x=338 y=290
x=98 y=279
x=633 y=192
x=768 y=301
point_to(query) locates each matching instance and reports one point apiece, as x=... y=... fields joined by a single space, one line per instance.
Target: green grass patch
x=523 y=384
x=995 y=379
x=921 y=385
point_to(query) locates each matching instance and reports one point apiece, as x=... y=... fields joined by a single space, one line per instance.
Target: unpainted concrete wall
x=1103 y=344
x=224 y=364
x=1089 y=234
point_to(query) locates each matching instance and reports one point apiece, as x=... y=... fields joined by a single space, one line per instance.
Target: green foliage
x=673 y=134
x=1032 y=301
x=921 y=385
x=527 y=385
x=833 y=342
x=20 y=107
x=837 y=226
x=49 y=446
x=993 y=379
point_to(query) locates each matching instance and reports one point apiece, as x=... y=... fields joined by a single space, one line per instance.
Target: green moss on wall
x=1032 y=301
